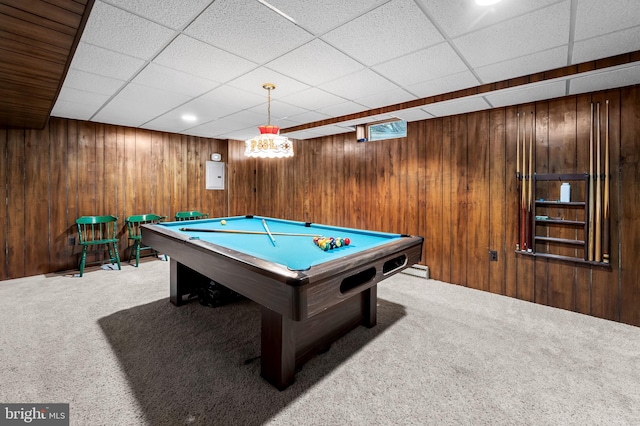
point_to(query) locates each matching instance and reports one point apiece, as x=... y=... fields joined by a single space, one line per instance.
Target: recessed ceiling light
x=189 y=117
x=487 y=2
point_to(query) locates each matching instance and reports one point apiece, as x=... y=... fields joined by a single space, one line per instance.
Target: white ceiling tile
x=91 y=99
x=461 y=17
x=341 y=109
x=447 y=84
x=253 y=81
x=424 y=65
x=247 y=28
x=241 y=134
x=458 y=106
x=392 y=97
x=626 y=75
x=195 y=57
x=520 y=95
x=138 y=104
x=154 y=75
x=77 y=111
x=238 y=121
x=358 y=84
x=302 y=135
x=541 y=30
x=94 y=83
x=279 y=109
x=96 y=60
x=607 y=45
x=168 y=13
x=312 y=99
x=598 y=17
x=308 y=117
x=391 y=30
x=332 y=130
x=524 y=65
x=233 y=99
x=321 y=16
x=414 y=114
x=308 y=63
x=203 y=110
x=121 y=31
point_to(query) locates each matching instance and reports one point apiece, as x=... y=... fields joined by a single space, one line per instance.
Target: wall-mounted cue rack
x=572 y=223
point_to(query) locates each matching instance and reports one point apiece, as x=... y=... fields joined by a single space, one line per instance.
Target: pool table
x=309 y=297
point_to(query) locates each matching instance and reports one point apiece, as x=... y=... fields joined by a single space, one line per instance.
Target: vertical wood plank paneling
x=540 y=165
x=122 y=186
x=629 y=227
x=156 y=174
x=111 y=179
x=459 y=202
x=497 y=215
x=478 y=199
x=59 y=224
x=36 y=224
x=87 y=169
x=430 y=228
x=129 y=185
x=412 y=174
x=178 y=149
x=101 y=191
x=3 y=206
x=352 y=183
x=72 y=191
x=15 y=203
x=142 y=167
x=512 y=202
x=448 y=162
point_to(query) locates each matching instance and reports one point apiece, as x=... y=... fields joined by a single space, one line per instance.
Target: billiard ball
x=223 y=222
x=347 y=241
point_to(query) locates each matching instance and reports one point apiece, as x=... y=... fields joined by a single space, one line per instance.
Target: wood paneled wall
x=74 y=168
x=452 y=180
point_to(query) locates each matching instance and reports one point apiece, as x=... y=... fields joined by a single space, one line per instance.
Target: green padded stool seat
x=191 y=215
x=95 y=231
x=133 y=229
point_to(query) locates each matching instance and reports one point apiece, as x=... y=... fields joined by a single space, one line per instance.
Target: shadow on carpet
x=200 y=365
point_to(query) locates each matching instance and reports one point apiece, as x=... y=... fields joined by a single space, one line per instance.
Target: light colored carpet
x=112 y=346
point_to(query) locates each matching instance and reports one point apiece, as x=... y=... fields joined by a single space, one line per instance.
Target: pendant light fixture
x=269 y=143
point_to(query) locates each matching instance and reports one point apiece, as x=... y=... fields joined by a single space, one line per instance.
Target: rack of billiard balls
x=329 y=243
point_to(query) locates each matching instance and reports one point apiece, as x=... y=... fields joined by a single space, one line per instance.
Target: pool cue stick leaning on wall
x=605 y=242
x=590 y=228
x=598 y=250
x=530 y=236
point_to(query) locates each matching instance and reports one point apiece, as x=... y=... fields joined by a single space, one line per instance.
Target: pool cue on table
x=598 y=250
x=605 y=233
x=238 y=231
x=590 y=229
x=273 y=240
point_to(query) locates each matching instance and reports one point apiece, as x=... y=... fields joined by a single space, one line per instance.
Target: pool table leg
x=278 y=363
x=370 y=307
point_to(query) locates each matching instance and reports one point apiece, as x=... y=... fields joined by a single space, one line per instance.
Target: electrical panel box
x=215 y=175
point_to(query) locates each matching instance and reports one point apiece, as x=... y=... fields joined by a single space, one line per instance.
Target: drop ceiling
x=147 y=63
